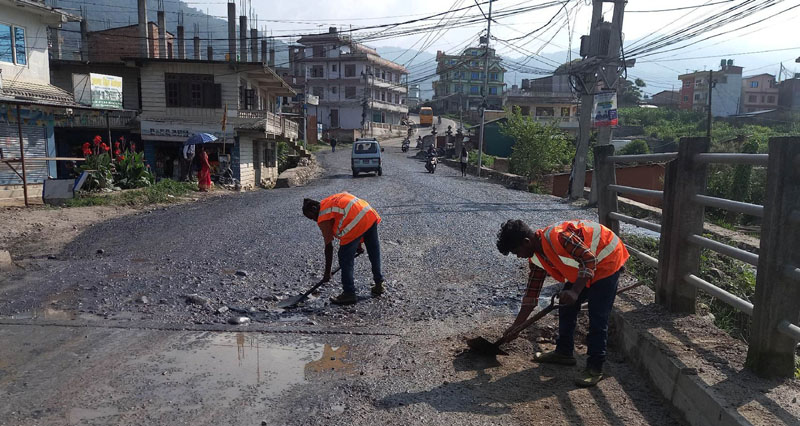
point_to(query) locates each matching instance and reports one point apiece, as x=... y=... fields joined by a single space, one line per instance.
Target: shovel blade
x=291 y=302
x=480 y=345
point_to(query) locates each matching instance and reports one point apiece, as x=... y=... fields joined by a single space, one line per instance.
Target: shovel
x=482 y=346
x=294 y=300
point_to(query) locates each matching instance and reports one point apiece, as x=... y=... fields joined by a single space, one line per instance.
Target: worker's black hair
x=512 y=234
x=310 y=207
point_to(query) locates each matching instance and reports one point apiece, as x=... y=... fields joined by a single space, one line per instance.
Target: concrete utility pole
x=599 y=64
x=485 y=86
x=708 y=119
x=231 y=32
x=144 y=48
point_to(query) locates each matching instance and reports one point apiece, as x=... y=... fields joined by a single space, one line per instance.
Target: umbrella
x=199 y=138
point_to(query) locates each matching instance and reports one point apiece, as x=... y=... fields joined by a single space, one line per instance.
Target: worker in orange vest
x=588 y=258
x=352 y=221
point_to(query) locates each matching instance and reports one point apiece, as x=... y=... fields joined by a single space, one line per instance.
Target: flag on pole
x=224 y=117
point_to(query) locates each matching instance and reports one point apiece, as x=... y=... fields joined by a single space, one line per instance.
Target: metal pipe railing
x=736 y=206
x=644 y=257
x=792 y=272
x=634 y=221
x=637 y=191
x=733 y=158
x=736 y=253
x=667 y=156
x=789 y=329
x=737 y=303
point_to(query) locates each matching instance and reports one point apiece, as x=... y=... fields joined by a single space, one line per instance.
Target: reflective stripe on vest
x=348 y=224
x=572 y=265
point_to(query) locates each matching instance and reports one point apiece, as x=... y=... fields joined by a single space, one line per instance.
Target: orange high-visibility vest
x=352 y=217
x=610 y=252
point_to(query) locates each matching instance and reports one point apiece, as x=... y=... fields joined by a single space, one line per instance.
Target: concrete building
x=789 y=94
x=351 y=79
x=413 y=98
x=546 y=100
x=25 y=89
x=759 y=93
x=725 y=96
x=460 y=83
x=665 y=99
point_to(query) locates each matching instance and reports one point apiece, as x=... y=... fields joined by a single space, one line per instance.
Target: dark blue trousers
x=601 y=297
x=347 y=255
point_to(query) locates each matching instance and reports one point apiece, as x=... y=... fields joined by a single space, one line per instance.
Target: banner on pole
x=605 y=109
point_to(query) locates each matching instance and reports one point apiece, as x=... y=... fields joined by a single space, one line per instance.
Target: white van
x=366 y=156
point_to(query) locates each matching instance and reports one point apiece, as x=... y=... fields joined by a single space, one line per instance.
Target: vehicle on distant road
x=366 y=156
x=425 y=116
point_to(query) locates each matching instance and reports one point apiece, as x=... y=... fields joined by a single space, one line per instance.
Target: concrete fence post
x=681 y=217
x=777 y=297
x=605 y=174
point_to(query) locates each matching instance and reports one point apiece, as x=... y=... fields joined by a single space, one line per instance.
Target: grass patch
x=733 y=276
x=165 y=191
x=486 y=159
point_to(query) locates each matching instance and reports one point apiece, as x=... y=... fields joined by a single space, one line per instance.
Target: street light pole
x=485 y=86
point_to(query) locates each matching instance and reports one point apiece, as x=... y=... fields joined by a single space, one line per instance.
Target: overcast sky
x=780 y=32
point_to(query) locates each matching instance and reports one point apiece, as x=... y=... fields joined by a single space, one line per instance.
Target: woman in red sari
x=204 y=176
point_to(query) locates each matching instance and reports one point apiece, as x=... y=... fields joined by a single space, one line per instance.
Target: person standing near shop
x=204 y=175
x=464 y=158
x=352 y=221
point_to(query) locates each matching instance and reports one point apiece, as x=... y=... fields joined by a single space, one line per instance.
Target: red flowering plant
x=99 y=165
x=130 y=170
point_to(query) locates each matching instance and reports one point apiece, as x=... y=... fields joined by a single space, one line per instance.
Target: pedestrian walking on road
x=588 y=258
x=345 y=217
x=464 y=157
x=333 y=144
x=204 y=175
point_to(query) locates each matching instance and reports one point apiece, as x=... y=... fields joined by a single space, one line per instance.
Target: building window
x=754 y=84
x=12 y=45
x=475 y=75
x=389 y=76
x=397 y=98
x=474 y=90
x=270 y=159
x=698 y=82
x=698 y=97
x=770 y=99
x=318 y=51
x=194 y=91
x=350 y=92
x=525 y=110
x=762 y=99
x=383 y=96
x=473 y=63
x=350 y=70
x=493 y=76
x=317 y=71
x=333 y=67
x=458 y=88
x=493 y=90
x=687 y=83
x=752 y=98
x=686 y=99
x=545 y=111
x=565 y=111
x=333 y=89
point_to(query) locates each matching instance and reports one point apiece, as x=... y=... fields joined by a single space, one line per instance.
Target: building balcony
x=272 y=124
x=379 y=83
x=387 y=106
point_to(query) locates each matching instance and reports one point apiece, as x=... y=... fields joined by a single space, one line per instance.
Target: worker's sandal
x=588 y=377
x=554 y=357
x=378 y=289
x=344 y=299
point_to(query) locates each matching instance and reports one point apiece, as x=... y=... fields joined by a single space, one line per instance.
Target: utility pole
x=602 y=63
x=708 y=119
x=485 y=85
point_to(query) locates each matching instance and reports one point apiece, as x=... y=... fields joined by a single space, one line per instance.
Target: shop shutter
x=35 y=147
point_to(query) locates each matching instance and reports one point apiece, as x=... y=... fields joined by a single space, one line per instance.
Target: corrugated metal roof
x=36 y=91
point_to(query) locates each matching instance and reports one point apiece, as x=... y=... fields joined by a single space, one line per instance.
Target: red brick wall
x=647 y=176
x=123 y=42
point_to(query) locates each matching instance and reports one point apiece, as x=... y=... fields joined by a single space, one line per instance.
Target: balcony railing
x=290 y=128
x=274 y=124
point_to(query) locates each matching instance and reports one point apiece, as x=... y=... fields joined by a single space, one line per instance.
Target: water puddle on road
x=52 y=314
x=228 y=361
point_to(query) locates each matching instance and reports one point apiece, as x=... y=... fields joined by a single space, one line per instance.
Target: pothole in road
x=52 y=314
x=223 y=363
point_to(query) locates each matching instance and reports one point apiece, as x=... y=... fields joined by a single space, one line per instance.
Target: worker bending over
x=588 y=257
x=352 y=221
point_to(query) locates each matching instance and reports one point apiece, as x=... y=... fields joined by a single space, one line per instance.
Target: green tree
x=538 y=149
x=637 y=146
x=630 y=92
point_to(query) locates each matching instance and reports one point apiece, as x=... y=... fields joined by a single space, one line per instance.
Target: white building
x=351 y=79
x=413 y=95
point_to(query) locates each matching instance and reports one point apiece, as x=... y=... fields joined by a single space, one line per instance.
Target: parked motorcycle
x=430 y=163
x=405 y=145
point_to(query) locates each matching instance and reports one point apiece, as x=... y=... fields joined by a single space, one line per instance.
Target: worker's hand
x=567 y=297
x=360 y=250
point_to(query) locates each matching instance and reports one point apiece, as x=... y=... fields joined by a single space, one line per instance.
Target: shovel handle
x=319 y=284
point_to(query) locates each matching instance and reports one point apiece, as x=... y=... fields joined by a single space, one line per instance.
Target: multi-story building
x=665 y=99
x=789 y=94
x=759 y=93
x=725 y=94
x=353 y=84
x=113 y=43
x=413 y=98
x=461 y=77
x=546 y=100
x=27 y=96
